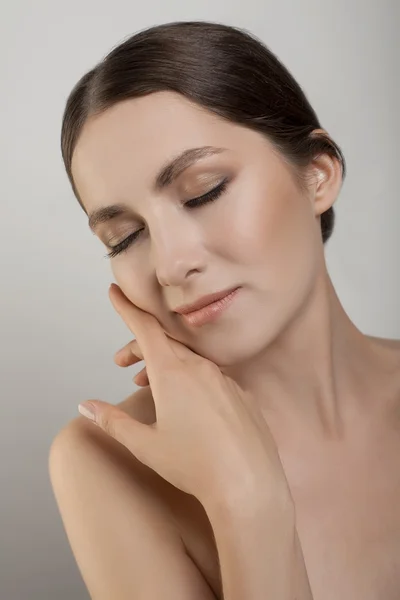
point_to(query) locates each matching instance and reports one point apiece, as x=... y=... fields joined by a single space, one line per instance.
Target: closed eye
x=193 y=203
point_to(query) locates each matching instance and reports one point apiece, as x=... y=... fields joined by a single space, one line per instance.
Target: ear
x=325 y=182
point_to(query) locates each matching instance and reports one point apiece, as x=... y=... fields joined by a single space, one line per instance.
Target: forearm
x=259 y=550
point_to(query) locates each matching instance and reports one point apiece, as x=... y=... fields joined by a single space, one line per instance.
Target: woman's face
x=260 y=233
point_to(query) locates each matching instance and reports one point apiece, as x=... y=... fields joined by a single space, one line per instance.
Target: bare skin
x=330 y=394
x=346 y=496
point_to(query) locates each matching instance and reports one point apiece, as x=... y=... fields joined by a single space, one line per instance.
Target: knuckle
x=107 y=422
x=135 y=348
x=116 y=423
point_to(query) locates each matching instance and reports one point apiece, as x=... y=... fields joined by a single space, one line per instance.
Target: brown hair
x=225 y=69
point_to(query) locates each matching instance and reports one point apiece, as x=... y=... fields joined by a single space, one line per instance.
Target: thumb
x=137 y=437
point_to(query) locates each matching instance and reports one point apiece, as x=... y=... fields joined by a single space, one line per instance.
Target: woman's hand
x=129 y=355
x=209 y=437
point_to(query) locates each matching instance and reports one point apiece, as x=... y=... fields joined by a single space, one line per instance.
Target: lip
x=211 y=312
x=204 y=301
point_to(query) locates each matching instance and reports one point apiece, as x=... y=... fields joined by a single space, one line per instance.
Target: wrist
x=247 y=498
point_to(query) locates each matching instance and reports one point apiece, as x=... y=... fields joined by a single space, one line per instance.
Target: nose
x=177 y=252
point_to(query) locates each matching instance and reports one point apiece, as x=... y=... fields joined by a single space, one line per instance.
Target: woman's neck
x=319 y=373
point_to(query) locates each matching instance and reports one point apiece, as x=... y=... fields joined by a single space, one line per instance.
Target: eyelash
x=194 y=203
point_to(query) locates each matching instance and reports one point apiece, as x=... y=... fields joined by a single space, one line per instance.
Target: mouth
x=211 y=311
x=204 y=301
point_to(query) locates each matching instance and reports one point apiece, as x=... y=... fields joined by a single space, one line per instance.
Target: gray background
x=59 y=331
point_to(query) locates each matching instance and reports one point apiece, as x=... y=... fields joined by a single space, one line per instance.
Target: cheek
x=277 y=240
x=132 y=282
x=123 y=274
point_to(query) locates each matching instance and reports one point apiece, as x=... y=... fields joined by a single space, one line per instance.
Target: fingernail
x=87 y=410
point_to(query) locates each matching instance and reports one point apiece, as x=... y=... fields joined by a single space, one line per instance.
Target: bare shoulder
x=80 y=432
x=387 y=342
x=389 y=356
x=134 y=514
x=185 y=510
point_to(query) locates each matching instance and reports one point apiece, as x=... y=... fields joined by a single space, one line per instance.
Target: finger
x=128 y=354
x=159 y=351
x=139 y=438
x=146 y=329
x=141 y=378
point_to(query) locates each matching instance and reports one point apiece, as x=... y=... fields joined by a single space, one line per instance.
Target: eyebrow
x=167 y=175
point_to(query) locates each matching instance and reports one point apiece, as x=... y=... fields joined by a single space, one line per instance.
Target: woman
x=263 y=458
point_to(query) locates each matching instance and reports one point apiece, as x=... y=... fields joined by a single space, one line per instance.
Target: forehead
x=121 y=149
x=157 y=118
x=152 y=126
